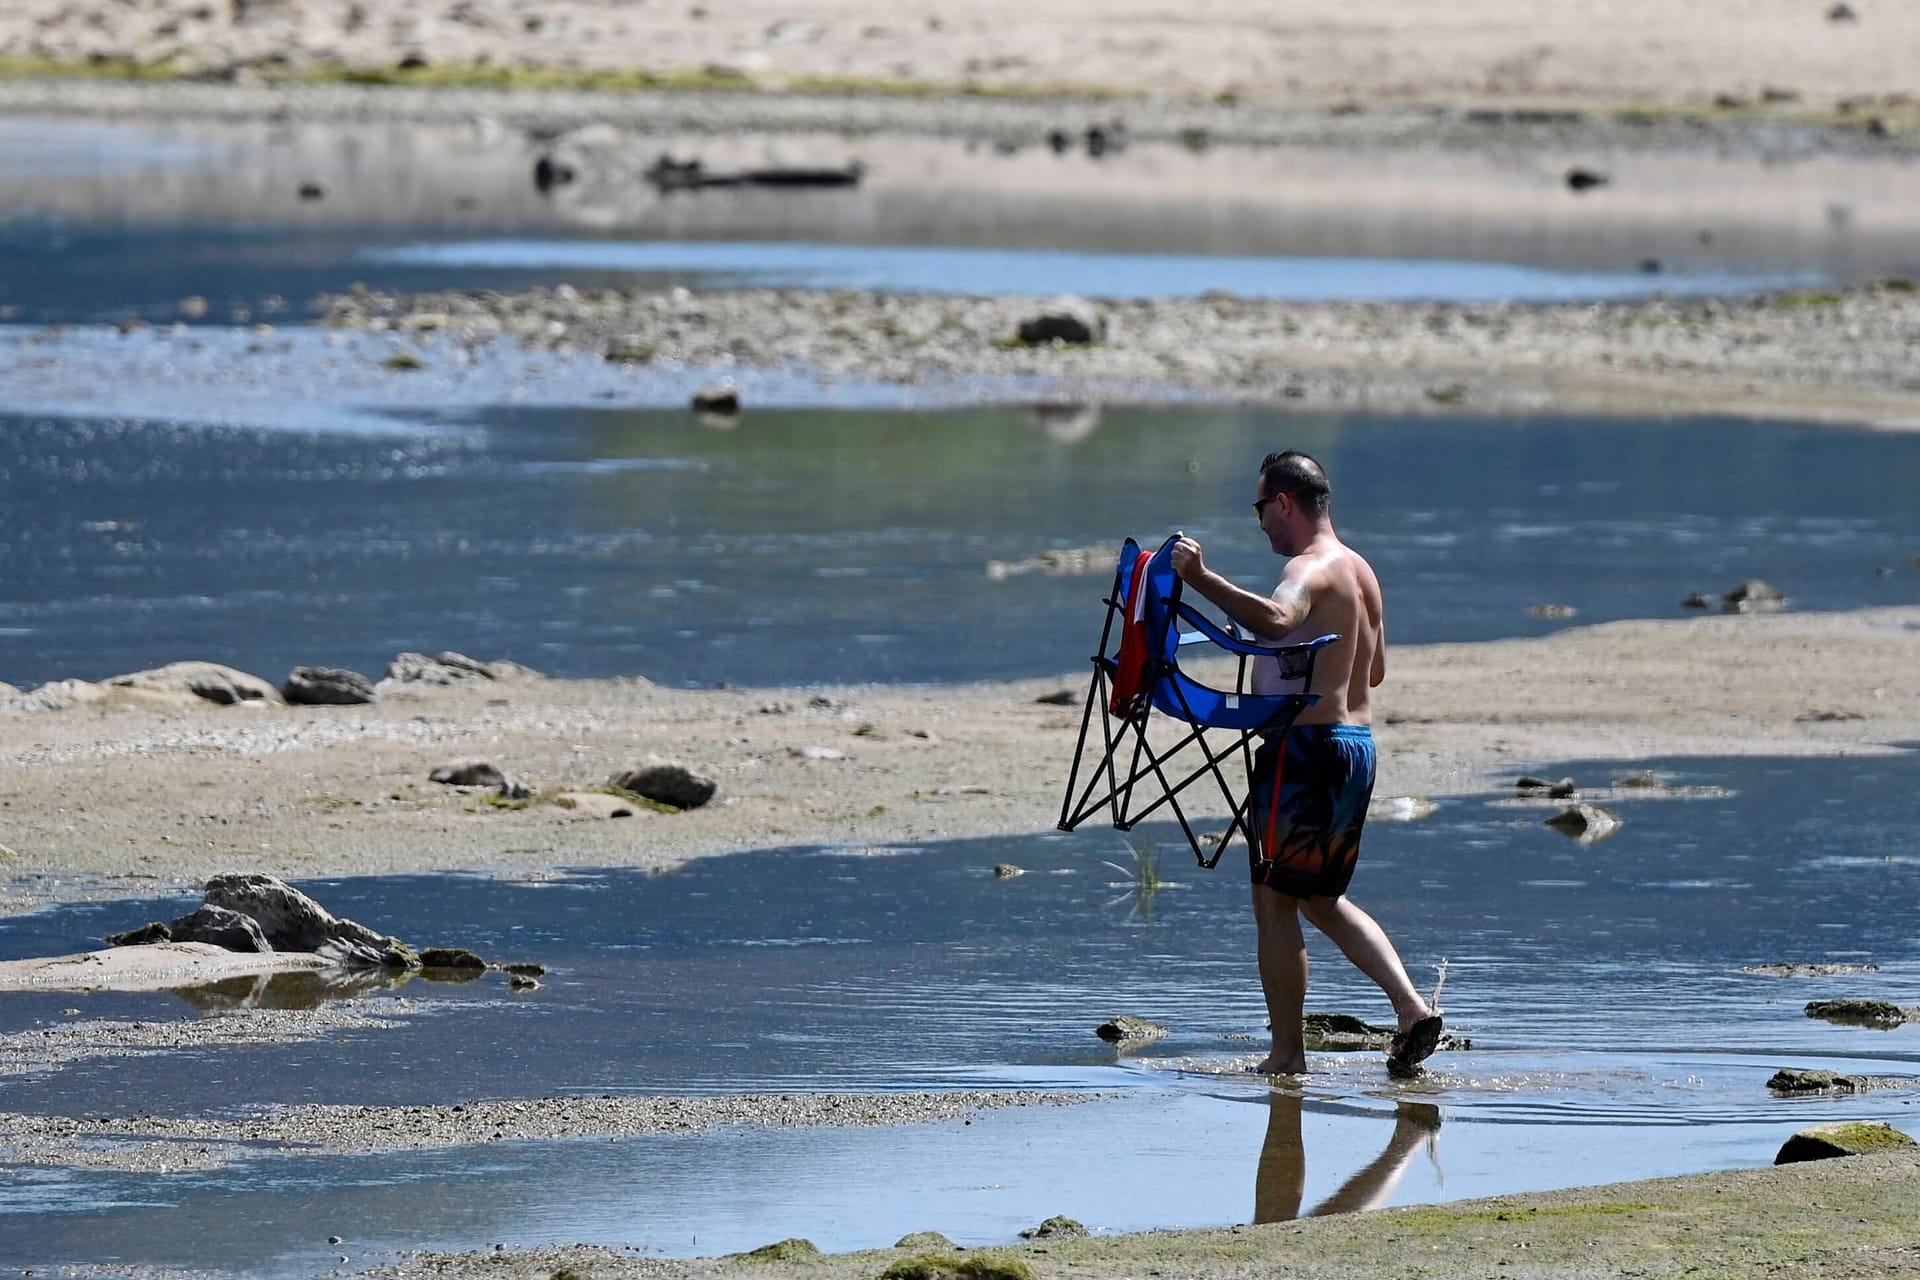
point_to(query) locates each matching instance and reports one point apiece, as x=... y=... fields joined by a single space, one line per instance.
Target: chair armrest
x=1210 y=632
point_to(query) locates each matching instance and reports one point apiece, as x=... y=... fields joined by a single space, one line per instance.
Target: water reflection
x=1280 y=1182
x=306 y=988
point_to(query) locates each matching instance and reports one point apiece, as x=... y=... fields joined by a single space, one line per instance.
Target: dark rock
x=1558 y=790
x=1072 y=321
x=1754 y=596
x=327 y=687
x=468 y=773
x=1344 y=1033
x=521 y=982
x=1060 y=141
x=1842 y=12
x=1007 y=871
x=1562 y=790
x=1827 y=716
x=526 y=969
x=312 y=191
x=1059 y=698
x=1880 y=1014
x=1831 y=1141
x=722 y=398
x=549 y=173
x=511 y=788
x=291 y=921
x=1130 y=1030
x=451 y=958
x=146 y=933
x=666 y=782
x=1697 y=600
x=1645 y=780
x=1580 y=179
x=222 y=927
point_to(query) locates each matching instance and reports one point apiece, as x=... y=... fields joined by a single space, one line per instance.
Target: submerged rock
x=1861 y=1013
x=1754 y=596
x=1584 y=823
x=1830 y=1141
x=1808 y=1082
x=1344 y=1033
x=1007 y=871
x=451 y=958
x=1784 y=970
x=1130 y=1030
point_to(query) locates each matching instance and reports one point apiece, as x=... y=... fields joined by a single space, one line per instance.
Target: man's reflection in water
x=1281 y=1180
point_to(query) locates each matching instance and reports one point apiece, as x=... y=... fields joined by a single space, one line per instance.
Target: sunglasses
x=1260 y=506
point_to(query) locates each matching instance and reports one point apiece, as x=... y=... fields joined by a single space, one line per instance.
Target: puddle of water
x=792 y=265
x=588 y=542
x=1615 y=1036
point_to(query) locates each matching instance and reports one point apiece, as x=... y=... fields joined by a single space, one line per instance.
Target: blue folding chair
x=1136 y=671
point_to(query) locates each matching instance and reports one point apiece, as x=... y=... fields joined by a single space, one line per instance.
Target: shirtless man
x=1312 y=782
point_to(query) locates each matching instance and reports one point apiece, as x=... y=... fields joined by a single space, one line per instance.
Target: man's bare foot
x=1274 y=1065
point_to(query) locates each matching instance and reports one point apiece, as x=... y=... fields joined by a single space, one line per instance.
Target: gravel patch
x=152 y=1144
x=1821 y=356
x=41 y=1050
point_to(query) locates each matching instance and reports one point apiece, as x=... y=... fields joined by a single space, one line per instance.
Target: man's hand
x=1188 y=561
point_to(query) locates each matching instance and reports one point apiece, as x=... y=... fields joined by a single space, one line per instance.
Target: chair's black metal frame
x=1127 y=728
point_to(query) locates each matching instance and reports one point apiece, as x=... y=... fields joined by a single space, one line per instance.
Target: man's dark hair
x=1294 y=472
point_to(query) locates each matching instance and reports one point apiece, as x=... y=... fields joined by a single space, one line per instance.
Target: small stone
x=1058 y=1227
x=468 y=773
x=722 y=398
x=520 y=982
x=924 y=1240
x=312 y=191
x=817 y=753
x=1068 y=321
x=1645 y=780
x=1585 y=823
x=193 y=307
x=1059 y=698
x=1842 y=12
x=1130 y=1030
x=1802 y=1080
x=1552 y=612
x=511 y=788
x=1583 y=179
x=1007 y=871
x=145 y=934
x=1697 y=600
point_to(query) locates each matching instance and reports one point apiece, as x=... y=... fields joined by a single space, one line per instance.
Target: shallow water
x=831 y=545
x=101 y=221
x=1615 y=1036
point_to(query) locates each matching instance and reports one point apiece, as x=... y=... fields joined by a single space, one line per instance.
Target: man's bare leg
x=1366 y=944
x=1282 y=952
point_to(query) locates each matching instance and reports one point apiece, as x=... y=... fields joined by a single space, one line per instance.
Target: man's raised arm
x=1271 y=617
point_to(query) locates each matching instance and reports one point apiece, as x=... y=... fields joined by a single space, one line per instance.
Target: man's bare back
x=1342 y=597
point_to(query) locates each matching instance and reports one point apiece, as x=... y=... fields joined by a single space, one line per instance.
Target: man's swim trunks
x=1311 y=786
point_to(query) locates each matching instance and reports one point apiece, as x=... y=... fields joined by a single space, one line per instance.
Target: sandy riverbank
x=1401 y=50
x=143 y=790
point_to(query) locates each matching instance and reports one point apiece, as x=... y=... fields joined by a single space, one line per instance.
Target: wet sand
x=142 y=791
